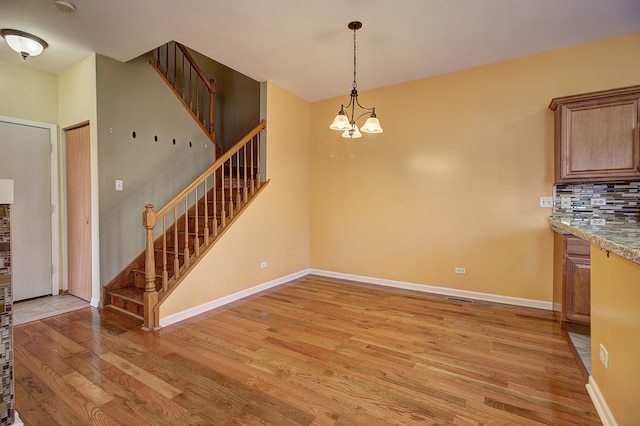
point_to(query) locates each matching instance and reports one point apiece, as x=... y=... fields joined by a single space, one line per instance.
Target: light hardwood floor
x=316 y=351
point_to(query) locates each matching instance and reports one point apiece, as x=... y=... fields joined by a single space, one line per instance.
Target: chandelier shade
x=346 y=119
x=24 y=43
x=341 y=122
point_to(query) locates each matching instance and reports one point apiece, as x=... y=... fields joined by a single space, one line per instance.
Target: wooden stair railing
x=182 y=74
x=200 y=214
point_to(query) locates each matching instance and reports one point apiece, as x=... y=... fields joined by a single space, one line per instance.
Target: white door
x=25 y=157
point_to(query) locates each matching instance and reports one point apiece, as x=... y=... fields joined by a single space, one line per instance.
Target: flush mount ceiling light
x=345 y=123
x=24 y=43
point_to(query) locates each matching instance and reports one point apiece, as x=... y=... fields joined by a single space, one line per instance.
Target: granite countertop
x=621 y=239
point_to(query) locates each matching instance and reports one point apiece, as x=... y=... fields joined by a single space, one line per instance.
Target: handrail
x=197 y=69
x=208 y=199
x=218 y=163
x=196 y=92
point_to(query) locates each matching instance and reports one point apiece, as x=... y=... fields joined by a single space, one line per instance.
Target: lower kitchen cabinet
x=576 y=285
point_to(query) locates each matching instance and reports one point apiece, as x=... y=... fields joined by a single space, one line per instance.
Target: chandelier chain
x=355 y=85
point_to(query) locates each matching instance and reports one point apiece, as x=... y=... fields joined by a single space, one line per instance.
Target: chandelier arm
x=362 y=115
x=363 y=107
x=349 y=105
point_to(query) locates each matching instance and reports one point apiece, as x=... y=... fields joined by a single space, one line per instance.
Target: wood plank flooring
x=316 y=351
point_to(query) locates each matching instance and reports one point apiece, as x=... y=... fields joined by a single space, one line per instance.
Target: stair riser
x=127 y=305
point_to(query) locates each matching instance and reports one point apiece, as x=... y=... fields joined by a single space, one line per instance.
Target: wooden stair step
x=128 y=300
x=124 y=311
x=132 y=294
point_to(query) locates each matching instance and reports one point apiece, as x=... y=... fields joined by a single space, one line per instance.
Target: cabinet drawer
x=576 y=247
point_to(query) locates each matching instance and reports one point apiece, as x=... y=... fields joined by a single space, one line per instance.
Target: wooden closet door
x=78 y=156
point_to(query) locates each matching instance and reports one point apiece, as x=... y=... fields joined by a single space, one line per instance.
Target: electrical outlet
x=460 y=271
x=565 y=202
x=604 y=356
x=263 y=265
x=546 y=202
x=597 y=222
x=599 y=201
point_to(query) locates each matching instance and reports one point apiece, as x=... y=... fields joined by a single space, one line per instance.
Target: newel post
x=150 y=298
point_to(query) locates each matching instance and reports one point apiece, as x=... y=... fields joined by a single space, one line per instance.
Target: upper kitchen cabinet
x=596 y=136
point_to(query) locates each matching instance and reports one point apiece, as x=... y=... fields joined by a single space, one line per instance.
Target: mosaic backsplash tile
x=581 y=202
x=5 y=238
x=6 y=357
x=7 y=410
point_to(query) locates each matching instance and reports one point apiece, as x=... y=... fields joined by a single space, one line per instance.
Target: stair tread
x=133 y=294
x=124 y=311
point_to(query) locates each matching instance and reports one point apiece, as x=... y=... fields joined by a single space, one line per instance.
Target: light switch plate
x=119 y=185
x=546 y=202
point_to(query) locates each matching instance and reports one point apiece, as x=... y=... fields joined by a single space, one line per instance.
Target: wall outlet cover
x=604 y=356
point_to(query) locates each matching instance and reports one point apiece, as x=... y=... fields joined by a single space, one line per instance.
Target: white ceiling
x=305 y=46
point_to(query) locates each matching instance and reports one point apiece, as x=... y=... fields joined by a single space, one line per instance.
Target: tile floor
x=44 y=307
x=582 y=344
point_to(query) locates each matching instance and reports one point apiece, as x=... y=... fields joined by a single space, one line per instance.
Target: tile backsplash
x=581 y=201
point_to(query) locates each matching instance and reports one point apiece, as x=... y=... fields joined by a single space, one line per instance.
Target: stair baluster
x=189 y=84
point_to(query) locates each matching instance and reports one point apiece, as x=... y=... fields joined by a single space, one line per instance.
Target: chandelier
x=346 y=123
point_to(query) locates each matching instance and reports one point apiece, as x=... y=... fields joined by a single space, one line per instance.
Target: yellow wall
x=455 y=178
x=615 y=323
x=78 y=93
x=274 y=229
x=28 y=94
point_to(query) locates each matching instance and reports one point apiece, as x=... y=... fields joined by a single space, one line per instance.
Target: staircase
x=192 y=88
x=179 y=234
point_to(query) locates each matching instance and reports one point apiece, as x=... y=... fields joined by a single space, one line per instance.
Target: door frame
x=55 y=202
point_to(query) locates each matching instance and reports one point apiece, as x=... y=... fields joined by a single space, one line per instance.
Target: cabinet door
x=601 y=141
x=577 y=290
x=597 y=137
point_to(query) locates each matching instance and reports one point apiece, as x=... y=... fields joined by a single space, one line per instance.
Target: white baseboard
x=94 y=302
x=200 y=309
x=487 y=297
x=606 y=416
x=197 y=310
